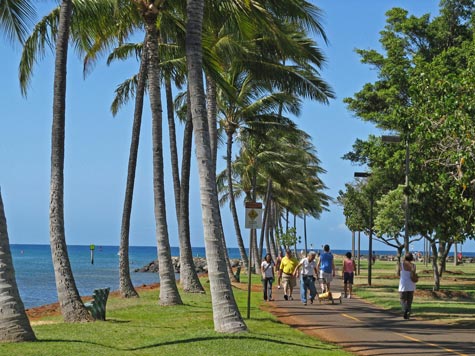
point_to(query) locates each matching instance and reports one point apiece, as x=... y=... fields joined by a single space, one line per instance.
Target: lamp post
x=370 y=238
x=397 y=139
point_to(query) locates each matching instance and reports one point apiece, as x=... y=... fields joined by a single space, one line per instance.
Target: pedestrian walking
x=287 y=268
x=406 y=271
x=277 y=268
x=326 y=266
x=267 y=270
x=349 y=271
x=307 y=278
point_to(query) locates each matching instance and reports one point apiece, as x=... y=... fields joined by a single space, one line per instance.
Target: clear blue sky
x=97 y=145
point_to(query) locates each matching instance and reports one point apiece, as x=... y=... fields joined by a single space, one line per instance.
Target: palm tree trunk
x=265 y=218
x=232 y=202
x=188 y=277
x=14 y=324
x=173 y=145
x=274 y=245
x=226 y=315
x=212 y=114
x=168 y=289
x=126 y=286
x=72 y=307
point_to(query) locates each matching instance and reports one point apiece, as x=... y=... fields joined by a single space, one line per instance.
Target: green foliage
x=425 y=92
x=288 y=238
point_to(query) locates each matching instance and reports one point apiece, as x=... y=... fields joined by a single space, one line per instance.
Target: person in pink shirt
x=349 y=270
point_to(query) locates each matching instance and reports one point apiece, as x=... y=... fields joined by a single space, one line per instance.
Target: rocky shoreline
x=201 y=265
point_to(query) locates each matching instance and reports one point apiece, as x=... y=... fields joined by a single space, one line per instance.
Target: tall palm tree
x=14 y=323
x=72 y=308
x=168 y=289
x=15 y=17
x=226 y=315
x=125 y=282
x=172 y=67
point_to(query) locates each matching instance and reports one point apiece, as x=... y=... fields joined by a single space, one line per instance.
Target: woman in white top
x=267 y=270
x=406 y=285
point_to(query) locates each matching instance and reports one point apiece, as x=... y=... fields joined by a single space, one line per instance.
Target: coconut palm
x=72 y=308
x=284 y=155
x=14 y=323
x=226 y=315
x=54 y=30
x=15 y=17
x=172 y=67
x=126 y=286
x=168 y=289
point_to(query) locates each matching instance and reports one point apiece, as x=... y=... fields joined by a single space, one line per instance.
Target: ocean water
x=35 y=275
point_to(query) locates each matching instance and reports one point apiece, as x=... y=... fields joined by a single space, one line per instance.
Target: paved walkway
x=364 y=329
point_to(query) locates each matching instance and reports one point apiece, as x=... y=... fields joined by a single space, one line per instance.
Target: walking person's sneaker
x=291 y=298
x=286 y=297
x=278 y=287
x=311 y=300
x=406 y=315
x=304 y=303
x=349 y=296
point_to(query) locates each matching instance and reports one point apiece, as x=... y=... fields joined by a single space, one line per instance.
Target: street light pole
x=406 y=200
x=397 y=139
x=370 y=237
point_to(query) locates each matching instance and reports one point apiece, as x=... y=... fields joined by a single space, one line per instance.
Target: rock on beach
x=201 y=265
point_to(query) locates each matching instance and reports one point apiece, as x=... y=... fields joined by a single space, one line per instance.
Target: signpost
x=253 y=215
x=253 y=221
x=92 y=247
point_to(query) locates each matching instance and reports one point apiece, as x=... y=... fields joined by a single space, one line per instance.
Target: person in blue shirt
x=326 y=266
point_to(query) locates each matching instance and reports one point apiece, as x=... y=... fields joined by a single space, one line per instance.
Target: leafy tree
x=424 y=92
x=288 y=238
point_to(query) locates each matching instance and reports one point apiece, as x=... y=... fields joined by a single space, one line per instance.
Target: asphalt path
x=365 y=329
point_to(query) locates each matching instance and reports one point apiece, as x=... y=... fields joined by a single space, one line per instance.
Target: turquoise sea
x=35 y=275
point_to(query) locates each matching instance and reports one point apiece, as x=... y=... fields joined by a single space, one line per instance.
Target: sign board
x=253 y=215
x=92 y=247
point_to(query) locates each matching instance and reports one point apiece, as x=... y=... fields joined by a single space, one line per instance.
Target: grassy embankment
x=142 y=327
x=452 y=304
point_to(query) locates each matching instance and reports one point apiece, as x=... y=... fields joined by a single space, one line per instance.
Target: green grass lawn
x=452 y=304
x=142 y=327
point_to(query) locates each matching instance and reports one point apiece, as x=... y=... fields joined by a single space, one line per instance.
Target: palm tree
x=168 y=289
x=14 y=324
x=126 y=286
x=226 y=315
x=15 y=17
x=72 y=307
x=285 y=157
x=172 y=67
